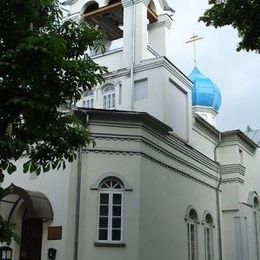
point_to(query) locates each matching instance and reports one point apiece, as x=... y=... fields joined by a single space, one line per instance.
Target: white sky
x=235 y=73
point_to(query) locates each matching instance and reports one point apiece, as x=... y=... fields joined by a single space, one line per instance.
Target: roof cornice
x=141 y=118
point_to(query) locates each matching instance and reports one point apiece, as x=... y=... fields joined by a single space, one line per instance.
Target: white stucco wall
x=59 y=187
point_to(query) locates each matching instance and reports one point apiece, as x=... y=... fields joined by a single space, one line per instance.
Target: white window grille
x=88 y=99
x=110 y=211
x=109 y=97
x=208 y=237
x=192 y=234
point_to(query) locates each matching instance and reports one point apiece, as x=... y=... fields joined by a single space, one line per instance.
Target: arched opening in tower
x=110 y=18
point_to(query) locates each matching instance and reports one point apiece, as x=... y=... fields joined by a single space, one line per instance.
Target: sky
x=237 y=74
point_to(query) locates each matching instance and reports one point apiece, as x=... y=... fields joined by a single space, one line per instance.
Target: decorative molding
x=162 y=22
x=206 y=135
x=127 y=3
x=145 y=2
x=152 y=159
x=157 y=129
x=251 y=196
x=232 y=180
x=96 y=56
x=95 y=186
x=187 y=213
x=165 y=6
x=233 y=168
x=233 y=173
x=165 y=63
x=158 y=149
x=206 y=110
x=149 y=48
x=205 y=213
x=207 y=128
x=108 y=244
x=238 y=137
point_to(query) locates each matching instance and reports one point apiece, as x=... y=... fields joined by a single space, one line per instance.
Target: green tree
x=42 y=67
x=243 y=15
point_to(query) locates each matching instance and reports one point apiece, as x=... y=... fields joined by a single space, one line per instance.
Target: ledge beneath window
x=109 y=244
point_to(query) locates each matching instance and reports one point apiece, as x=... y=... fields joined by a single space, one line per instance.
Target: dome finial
x=193 y=40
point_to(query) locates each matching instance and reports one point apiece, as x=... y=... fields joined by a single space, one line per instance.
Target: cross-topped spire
x=193 y=40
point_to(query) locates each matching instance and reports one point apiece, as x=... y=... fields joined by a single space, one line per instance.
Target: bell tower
x=140 y=76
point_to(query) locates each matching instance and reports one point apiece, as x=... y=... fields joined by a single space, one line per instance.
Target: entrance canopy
x=36 y=203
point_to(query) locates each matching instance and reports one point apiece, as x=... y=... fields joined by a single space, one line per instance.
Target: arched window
x=208 y=236
x=88 y=99
x=192 y=220
x=110 y=210
x=109 y=97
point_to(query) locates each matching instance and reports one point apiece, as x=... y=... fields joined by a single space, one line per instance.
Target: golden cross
x=193 y=40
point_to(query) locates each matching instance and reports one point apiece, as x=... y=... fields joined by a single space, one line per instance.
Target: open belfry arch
x=110 y=18
x=132 y=20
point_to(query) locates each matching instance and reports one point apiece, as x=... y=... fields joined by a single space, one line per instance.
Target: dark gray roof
x=254 y=135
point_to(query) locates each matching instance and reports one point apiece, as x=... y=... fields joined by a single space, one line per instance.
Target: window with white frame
x=109 y=97
x=208 y=237
x=110 y=210
x=88 y=99
x=192 y=234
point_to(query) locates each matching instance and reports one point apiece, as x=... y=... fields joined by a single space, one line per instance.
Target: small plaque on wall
x=55 y=233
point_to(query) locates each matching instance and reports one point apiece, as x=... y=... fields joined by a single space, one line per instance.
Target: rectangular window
x=140 y=89
x=110 y=216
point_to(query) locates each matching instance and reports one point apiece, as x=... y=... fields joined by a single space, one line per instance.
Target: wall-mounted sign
x=55 y=233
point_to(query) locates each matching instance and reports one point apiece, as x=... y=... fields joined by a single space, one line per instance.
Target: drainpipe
x=78 y=194
x=133 y=57
x=79 y=164
x=217 y=198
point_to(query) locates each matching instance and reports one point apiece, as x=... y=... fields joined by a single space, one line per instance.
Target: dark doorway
x=31 y=239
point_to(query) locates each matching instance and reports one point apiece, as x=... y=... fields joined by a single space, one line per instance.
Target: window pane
x=103 y=210
x=103 y=222
x=118 y=186
x=116 y=223
x=117 y=199
x=113 y=100
x=104 y=185
x=116 y=210
x=116 y=234
x=102 y=234
x=104 y=102
x=103 y=198
x=109 y=101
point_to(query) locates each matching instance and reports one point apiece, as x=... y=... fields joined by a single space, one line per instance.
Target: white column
x=128 y=33
x=160 y=35
x=141 y=33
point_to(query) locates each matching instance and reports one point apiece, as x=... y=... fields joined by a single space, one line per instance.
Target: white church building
x=162 y=182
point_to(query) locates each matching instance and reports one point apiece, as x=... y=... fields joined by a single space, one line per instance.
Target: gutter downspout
x=78 y=203
x=217 y=197
x=78 y=194
x=133 y=57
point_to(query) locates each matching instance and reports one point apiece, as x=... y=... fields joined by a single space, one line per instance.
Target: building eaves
x=142 y=118
x=242 y=136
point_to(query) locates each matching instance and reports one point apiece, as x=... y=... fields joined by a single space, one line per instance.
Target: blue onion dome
x=204 y=92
